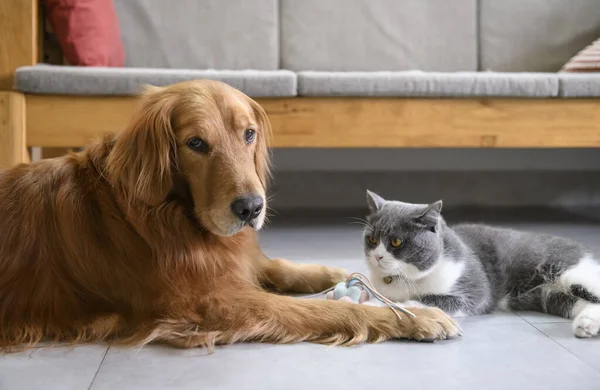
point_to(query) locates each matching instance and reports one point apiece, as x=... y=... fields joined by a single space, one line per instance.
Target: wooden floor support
x=19 y=38
x=67 y=121
x=13 y=149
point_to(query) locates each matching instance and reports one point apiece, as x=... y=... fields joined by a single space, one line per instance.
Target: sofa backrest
x=357 y=35
x=534 y=35
x=200 y=34
x=372 y=35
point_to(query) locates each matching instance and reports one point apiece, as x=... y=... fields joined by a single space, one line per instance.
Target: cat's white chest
x=441 y=280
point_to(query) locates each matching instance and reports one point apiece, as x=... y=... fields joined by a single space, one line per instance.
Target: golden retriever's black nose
x=247 y=207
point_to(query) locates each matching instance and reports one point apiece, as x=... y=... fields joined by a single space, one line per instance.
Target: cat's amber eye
x=372 y=240
x=396 y=243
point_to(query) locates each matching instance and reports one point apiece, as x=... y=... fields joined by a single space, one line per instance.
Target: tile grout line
x=517 y=314
x=99 y=367
x=563 y=347
x=556 y=342
x=538 y=323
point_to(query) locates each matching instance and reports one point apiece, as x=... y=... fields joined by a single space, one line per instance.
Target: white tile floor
x=500 y=351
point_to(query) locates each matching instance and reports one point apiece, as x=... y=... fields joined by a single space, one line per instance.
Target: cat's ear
x=430 y=217
x=435 y=207
x=374 y=201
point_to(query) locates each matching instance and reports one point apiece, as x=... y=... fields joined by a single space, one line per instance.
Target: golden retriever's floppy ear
x=262 y=156
x=143 y=158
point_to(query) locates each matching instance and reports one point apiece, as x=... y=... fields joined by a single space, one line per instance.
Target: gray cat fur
x=499 y=263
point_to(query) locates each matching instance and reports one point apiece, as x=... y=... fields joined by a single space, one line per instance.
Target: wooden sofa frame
x=50 y=121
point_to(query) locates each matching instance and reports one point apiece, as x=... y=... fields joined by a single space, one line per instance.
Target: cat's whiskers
x=404 y=285
x=409 y=284
x=362 y=222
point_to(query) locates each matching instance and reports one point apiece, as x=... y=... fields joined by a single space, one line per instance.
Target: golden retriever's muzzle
x=248 y=208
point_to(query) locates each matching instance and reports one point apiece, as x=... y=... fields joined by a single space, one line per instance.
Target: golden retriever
x=150 y=236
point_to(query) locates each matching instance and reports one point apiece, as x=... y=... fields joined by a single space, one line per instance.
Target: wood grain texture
x=19 y=39
x=71 y=121
x=12 y=129
x=354 y=122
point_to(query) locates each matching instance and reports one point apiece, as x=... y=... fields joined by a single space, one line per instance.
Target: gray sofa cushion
x=430 y=84
x=579 y=84
x=68 y=80
x=535 y=35
x=374 y=35
x=200 y=34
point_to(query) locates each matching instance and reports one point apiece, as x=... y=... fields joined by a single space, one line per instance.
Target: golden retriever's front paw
x=319 y=277
x=305 y=278
x=334 y=275
x=432 y=324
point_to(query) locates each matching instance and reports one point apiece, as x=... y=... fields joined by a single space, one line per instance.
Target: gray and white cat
x=474 y=269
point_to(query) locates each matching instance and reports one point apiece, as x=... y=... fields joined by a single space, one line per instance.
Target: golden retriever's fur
x=134 y=239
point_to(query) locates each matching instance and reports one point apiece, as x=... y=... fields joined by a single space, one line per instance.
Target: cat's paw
x=585 y=327
x=587 y=323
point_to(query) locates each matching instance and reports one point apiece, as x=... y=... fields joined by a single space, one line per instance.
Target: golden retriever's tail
x=19 y=337
x=112 y=328
x=178 y=333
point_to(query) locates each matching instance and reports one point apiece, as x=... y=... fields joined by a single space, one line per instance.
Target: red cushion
x=88 y=31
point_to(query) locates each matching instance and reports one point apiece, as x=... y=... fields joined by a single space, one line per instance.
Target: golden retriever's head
x=206 y=134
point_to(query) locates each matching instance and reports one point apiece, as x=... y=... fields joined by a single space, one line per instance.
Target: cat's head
x=402 y=239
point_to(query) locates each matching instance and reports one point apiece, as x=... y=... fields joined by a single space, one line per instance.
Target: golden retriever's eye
x=396 y=243
x=250 y=136
x=372 y=240
x=197 y=145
